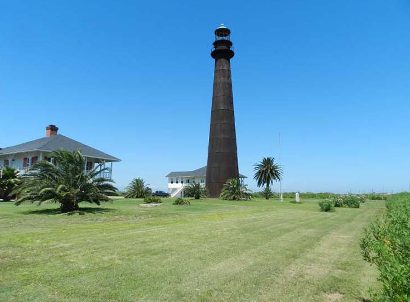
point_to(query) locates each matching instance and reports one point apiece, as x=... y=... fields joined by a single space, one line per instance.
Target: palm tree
x=8 y=181
x=266 y=172
x=195 y=190
x=137 y=189
x=233 y=189
x=67 y=182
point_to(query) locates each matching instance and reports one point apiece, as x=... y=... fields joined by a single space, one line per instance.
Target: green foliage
x=310 y=195
x=195 y=190
x=181 y=202
x=8 y=182
x=233 y=189
x=267 y=193
x=152 y=199
x=266 y=172
x=67 y=182
x=326 y=206
x=351 y=201
x=137 y=189
x=376 y=196
x=386 y=243
x=348 y=201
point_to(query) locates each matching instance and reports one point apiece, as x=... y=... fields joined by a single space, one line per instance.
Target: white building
x=23 y=156
x=178 y=180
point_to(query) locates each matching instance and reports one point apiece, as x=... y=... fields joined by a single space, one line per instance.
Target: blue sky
x=134 y=79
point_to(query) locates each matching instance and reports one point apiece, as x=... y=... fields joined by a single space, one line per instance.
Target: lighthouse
x=222 y=152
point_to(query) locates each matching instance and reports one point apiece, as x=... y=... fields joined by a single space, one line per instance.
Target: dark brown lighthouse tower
x=222 y=155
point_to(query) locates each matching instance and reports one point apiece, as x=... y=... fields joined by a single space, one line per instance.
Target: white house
x=178 y=180
x=23 y=156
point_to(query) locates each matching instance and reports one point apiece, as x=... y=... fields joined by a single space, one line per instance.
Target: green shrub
x=386 y=243
x=376 y=196
x=9 y=180
x=338 y=201
x=351 y=201
x=347 y=201
x=181 y=202
x=195 y=190
x=267 y=193
x=326 y=206
x=152 y=199
x=137 y=189
x=234 y=189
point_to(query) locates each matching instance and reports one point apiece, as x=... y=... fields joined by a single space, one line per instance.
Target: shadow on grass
x=82 y=211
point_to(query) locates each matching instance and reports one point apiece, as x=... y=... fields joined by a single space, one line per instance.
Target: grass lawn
x=212 y=250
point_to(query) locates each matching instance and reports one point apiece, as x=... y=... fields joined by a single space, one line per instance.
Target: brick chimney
x=51 y=130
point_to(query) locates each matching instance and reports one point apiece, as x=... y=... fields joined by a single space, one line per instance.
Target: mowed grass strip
x=213 y=250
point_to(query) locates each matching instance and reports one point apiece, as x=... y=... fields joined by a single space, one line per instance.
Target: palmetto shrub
x=267 y=193
x=137 y=189
x=326 y=206
x=195 y=190
x=66 y=182
x=386 y=243
x=233 y=189
x=181 y=202
x=9 y=180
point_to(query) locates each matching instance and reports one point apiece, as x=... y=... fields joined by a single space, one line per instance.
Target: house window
x=187 y=181
x=6 y=163
x=202 y=180
x=172 y=181
x=182 y=181
x=34 y=159
x=90 y=165
x=176 y=181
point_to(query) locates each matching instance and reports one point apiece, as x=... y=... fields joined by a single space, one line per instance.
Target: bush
x=376 y=196
x=152 y=199
x=181 y=202
x=351 y=201
x=234 y=189
x=137 y=189
x=326 y=206
x=386 y=243
x=195 y=190
x=309 y=195
x=267 y=193
x=338 y=201
x=9 y=180
x=348 y=201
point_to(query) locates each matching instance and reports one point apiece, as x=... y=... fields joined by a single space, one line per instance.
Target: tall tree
x=67 y=182
x=266 y=172
x=8 y=181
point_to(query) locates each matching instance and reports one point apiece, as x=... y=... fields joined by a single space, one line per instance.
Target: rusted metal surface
x=222 y=152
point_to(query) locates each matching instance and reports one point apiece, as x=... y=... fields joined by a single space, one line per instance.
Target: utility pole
x=280 y=181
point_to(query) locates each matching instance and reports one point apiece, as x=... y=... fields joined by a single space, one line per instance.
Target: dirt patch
x=149 y=205
x=333 y=297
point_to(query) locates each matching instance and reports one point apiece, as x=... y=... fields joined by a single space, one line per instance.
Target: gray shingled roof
x=201 y=172
x=57 y=142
